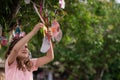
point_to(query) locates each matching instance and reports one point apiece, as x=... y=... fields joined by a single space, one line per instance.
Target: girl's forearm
x=25 y=39
x=50 y=53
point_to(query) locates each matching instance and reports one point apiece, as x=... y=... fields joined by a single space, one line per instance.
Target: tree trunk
x=99 y=73
x=8 y=11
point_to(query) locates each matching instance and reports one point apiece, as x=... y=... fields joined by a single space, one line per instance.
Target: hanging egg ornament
x=4 y=42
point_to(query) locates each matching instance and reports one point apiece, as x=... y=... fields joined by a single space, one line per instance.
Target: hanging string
x=34 y=5
x=41 y=7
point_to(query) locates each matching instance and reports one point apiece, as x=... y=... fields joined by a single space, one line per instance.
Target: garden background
x=90 y=44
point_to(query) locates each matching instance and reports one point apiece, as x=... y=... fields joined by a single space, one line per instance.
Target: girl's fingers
x=38 y=26
x=49 y=33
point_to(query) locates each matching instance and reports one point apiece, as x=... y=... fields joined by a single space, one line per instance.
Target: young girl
x=18 y=65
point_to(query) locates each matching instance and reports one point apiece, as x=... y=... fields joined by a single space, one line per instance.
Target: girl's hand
x=38 y=26
x=49 y=33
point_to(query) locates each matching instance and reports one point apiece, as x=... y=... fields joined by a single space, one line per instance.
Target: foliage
x=89 y=49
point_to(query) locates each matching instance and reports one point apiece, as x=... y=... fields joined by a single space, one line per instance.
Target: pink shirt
x=12 y=72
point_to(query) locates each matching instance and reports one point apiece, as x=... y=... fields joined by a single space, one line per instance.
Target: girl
x=18 y=65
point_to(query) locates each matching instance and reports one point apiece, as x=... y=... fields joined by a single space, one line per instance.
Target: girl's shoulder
x=34 y=61
x=14 y=64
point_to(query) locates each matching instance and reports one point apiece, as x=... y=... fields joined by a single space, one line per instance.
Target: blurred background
x=89 y=48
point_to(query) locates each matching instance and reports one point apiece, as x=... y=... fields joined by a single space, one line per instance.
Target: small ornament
x=17 y=30
x=45 y=45
x=4 y=42
x=55 y=28
x=62 y=4
x=59 y=36
x=57 y=32
x=27 y=1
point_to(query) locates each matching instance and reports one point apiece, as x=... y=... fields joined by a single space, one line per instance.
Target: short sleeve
x=34 y=61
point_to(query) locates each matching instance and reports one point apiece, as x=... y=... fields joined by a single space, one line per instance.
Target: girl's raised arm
x=22 y=42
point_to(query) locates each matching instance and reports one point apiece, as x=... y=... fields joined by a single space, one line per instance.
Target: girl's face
x=23 y=52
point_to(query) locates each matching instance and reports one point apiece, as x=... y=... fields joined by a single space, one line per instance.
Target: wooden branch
x=13 y=8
